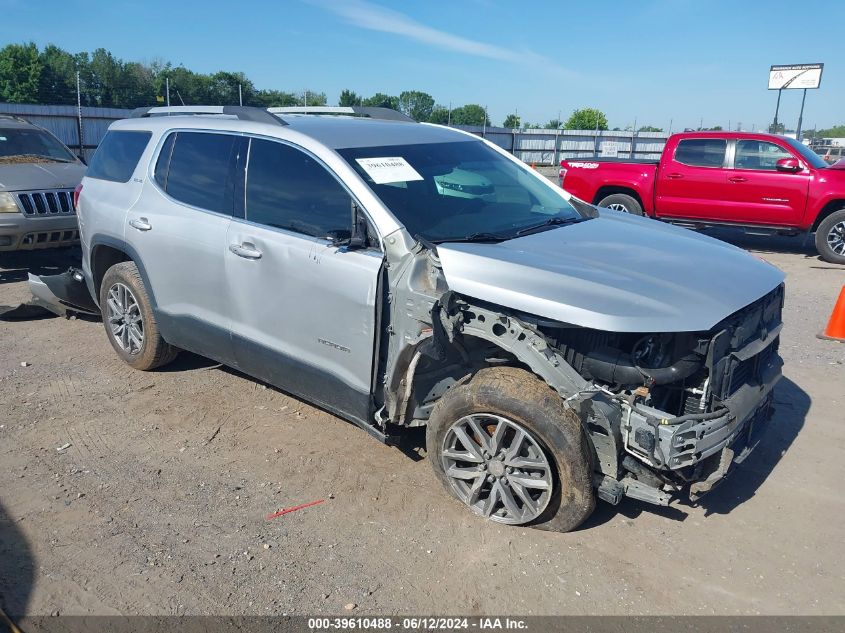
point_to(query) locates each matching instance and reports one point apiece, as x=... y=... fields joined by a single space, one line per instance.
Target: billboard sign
x=795 y=76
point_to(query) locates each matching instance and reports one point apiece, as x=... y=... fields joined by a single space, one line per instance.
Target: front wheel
x=830 y=238
x=621 y=202
x=506 y=446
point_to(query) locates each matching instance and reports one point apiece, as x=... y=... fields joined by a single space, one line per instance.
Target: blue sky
x=649 y=60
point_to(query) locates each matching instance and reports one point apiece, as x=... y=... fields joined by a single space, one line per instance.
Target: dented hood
x=617 y=273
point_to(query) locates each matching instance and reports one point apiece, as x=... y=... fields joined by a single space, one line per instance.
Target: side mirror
x=340 y=237
x=788 y=165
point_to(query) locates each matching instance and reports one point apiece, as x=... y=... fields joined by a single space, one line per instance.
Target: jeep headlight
x=7 y=203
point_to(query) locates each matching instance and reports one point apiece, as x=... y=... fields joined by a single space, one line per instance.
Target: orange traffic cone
x=835 y=329
x=533 y=166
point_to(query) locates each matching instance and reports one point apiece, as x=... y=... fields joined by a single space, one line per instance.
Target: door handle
x=738 y=179
x=245 y=250
x=142 y=224
x=674 y=176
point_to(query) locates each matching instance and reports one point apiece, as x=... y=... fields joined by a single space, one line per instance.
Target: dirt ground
x=158 y=503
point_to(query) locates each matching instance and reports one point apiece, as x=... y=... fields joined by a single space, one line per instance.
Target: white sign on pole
x=796 y=76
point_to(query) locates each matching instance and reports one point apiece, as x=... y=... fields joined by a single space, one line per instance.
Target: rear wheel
x=830 y=238
x=505 y=445
x=128 y=317
x=621 y=202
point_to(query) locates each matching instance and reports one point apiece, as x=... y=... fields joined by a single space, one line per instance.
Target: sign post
x=794 y=77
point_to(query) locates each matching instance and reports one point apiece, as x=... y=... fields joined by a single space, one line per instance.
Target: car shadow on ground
x=791 y=407
x=17 y=568
x=15 y=265
x=802 y=244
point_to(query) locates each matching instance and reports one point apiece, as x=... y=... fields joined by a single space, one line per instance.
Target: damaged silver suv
x=401 y=274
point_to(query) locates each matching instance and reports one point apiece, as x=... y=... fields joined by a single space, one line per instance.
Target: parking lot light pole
x=777 y=109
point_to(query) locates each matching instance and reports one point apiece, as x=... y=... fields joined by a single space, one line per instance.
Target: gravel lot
x=158 y=504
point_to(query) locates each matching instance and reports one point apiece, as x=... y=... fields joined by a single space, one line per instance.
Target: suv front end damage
x=665 y=412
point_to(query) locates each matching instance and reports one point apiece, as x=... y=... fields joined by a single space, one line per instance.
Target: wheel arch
x=609 y=190
x=827 y=209
x=105 y=253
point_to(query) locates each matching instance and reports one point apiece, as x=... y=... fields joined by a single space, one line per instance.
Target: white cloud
x=375 y=18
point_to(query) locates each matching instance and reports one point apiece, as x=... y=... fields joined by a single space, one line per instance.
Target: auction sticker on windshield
x=388 y=169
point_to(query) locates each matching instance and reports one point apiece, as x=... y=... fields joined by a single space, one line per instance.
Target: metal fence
x=82 y=129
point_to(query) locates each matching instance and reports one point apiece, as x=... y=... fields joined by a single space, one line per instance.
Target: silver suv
x=37 y=177
x=401 y=274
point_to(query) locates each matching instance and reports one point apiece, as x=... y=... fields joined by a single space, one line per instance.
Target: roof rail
x=366 y=111
x=244 y=113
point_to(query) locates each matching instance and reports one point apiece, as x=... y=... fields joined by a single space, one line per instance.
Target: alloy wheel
x=497 y=468
x=616 y=206
x=836 y=238
x=124 y=319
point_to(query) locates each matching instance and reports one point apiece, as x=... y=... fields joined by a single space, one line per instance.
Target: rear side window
x=200 y=170
x=118 y=154
x=701 y=152
x=752 y=154
x=287 y=189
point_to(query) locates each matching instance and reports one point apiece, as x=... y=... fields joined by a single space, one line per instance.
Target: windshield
x=29 y=145
x=806 y=153
x=460 y=190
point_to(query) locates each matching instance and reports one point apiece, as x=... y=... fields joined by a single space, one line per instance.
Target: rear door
x=178 y=230
x=303 y=312
x=691 y=182
x=757 y=192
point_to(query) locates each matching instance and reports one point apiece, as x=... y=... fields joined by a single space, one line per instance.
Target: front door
x=690 y=182
x=758 y=193
x=303 y=312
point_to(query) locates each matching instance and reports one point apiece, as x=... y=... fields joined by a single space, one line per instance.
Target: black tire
x=621 y=202
x=154 y=351
x=831 y=235
x=529 y=402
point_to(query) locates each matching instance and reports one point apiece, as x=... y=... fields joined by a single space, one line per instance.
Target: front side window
x=117 y=155
x=459 y=191
x=701 y=152
x=288 y=189
x=201 y=170
x=758 y=155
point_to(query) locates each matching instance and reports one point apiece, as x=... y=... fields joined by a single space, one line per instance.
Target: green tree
x=20 y=73
x=381 y=100
x=554 y=124
x=586 y=119
x=512 y=121
x=440 y=114
x=349 y=98
x=58 y=76
x=650 y=128
x=837 y=131
x=417 y=105
x=311 y=98
x=470 y=114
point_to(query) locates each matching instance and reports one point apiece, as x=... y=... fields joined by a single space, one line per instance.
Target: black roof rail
x=244 y=113
x=371 y=112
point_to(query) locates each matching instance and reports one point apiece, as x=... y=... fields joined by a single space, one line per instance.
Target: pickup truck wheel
x=830 y=238
x=129 y=321
x=621 y=202
x=505 y=445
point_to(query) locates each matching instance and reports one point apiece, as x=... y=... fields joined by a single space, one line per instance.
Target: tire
x=138 y=342
x=830 y=238
x=561 y=492
x=621 y=202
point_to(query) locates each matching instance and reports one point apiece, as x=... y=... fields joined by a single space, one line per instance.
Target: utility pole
x=79 y=116
x=167 y=88
x=450 y=114
x=801 y=117
x=240 y=96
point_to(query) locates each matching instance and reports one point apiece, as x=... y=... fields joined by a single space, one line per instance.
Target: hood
x=617 y=273
x=30 y=176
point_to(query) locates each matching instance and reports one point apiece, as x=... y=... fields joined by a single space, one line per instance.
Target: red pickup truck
x=761 y=182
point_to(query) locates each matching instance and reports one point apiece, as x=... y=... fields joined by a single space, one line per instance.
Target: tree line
x=49 y=76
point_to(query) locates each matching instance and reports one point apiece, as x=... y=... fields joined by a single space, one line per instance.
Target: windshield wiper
x=476 y=237
x=555 y=221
